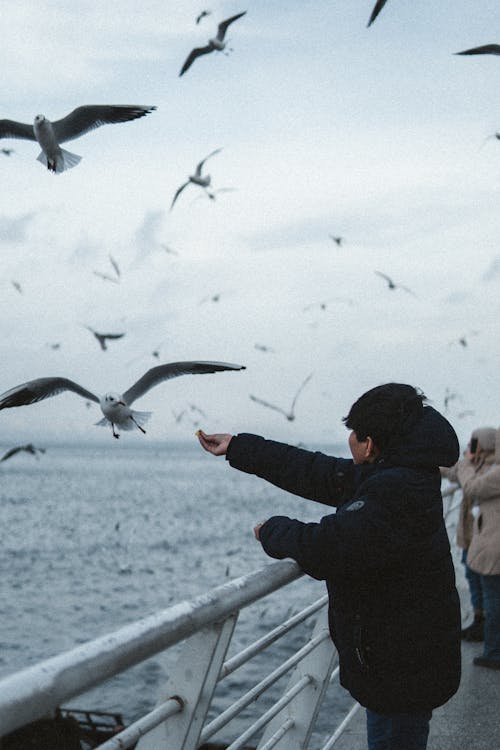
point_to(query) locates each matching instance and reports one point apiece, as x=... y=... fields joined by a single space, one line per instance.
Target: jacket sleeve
x=312 y=475
x=359 y=542
x=481 y=487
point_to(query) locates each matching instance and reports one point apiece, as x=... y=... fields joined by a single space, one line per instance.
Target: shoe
x=475 y=631
x=483 y=661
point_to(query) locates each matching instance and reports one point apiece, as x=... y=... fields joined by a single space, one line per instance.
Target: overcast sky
x=380 y=135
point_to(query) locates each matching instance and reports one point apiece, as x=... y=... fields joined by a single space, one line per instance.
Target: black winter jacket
x=394 y=611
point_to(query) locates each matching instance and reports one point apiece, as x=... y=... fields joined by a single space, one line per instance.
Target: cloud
x=14 y=231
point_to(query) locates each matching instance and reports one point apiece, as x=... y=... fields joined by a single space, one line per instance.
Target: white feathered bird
x=83 y=119
x=114 y=406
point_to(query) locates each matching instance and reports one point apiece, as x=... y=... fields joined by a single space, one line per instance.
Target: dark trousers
x=397 y=731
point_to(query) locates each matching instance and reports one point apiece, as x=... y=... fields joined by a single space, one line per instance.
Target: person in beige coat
x=482 y=441
x=483 y=555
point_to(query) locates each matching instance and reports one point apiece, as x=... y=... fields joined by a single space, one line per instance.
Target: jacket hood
x=427 y=441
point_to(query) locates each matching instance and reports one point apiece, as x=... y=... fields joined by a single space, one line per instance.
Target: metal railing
x=204 y=626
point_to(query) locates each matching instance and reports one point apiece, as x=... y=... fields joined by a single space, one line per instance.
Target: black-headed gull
x=290 y=415
x=216 y=43
x=114 y=406
x=197 y=178
x=101 y=337
x=83 y=119
x=392 y=284
x=28 y=448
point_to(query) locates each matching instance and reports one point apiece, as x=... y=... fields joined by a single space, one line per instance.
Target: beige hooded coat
x=465 y=524
x=484 y=489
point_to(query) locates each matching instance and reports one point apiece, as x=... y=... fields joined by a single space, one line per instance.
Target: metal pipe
x=236 y=661
x=345 y=721
x=271 y=713
x=142 y=726
x=38 y=690
x=235 y=708
x=279 y=733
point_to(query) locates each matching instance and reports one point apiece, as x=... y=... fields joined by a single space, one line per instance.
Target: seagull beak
x=122 y=403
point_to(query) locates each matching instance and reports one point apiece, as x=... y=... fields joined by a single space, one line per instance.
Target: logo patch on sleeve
x=356 y=505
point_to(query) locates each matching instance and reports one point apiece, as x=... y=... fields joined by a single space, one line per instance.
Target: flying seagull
x=392 y=285
x=83 y=119
x=197 y=178
x=203 y=14
x=7 y=151
x=105 y=276
x=216 y=43
x=101 y=337
x=290 y=415
x=29 y=448
x=486 y=49
x=114 y=406
x=376 y=10
x=337 y=240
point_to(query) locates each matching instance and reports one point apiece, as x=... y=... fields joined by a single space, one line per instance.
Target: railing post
x=193 y=680
x=300 y=714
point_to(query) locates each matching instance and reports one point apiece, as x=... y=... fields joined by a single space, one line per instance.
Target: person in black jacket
x=394 y=611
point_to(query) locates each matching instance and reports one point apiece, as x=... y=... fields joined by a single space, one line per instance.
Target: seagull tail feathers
x=64 y=160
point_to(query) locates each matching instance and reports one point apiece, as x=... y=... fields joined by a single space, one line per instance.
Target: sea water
x=94 y=537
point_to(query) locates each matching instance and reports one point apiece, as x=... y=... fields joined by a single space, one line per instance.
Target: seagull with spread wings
x=114 y=406
x=216 y=43
x=51 y=134
x=28 y=448
x=290 y=415
x=392 y=284
x=197 y=178
x=102 y=337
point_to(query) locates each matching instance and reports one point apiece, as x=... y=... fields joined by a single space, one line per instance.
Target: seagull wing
x=115 y=265
x=222 y=27
x=486 y=49
x=86 y=118
x=200 y=165
x=11 y=452
x=13 y=129
x=299 y=392
x=384 y=276
x=173 y=370
x=105 y=277
x=196 y=52
x=269 y=406
x=179 y=191
x=37 y=390
x=376 y=10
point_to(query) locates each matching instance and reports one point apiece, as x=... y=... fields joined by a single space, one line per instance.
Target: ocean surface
x=94 y=537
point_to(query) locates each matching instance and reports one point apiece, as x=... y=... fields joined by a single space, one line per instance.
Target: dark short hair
x=384 y=412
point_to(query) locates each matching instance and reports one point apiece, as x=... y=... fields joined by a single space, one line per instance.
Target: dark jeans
x=491 y=595
x=474 y=581
x=397 y=731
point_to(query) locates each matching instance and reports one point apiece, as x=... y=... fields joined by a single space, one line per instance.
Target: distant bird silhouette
x=216 y=43
x=114 y=406
x=169 y=249
x=376 y=10
x=55 y=346
x=324 y=304
x=486 y=49
x=263 y=348
x=392 y=285
x=105 y=276
x=102 y=337
x=7 y=151
x=29 y=448
x=83 y=119
x=203 y=14
x=17 y=286
x=290 y=415
x=337 y=240
x=197 y=178
x=495 y=136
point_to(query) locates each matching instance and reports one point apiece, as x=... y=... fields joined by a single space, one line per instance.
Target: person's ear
x=371 y=450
